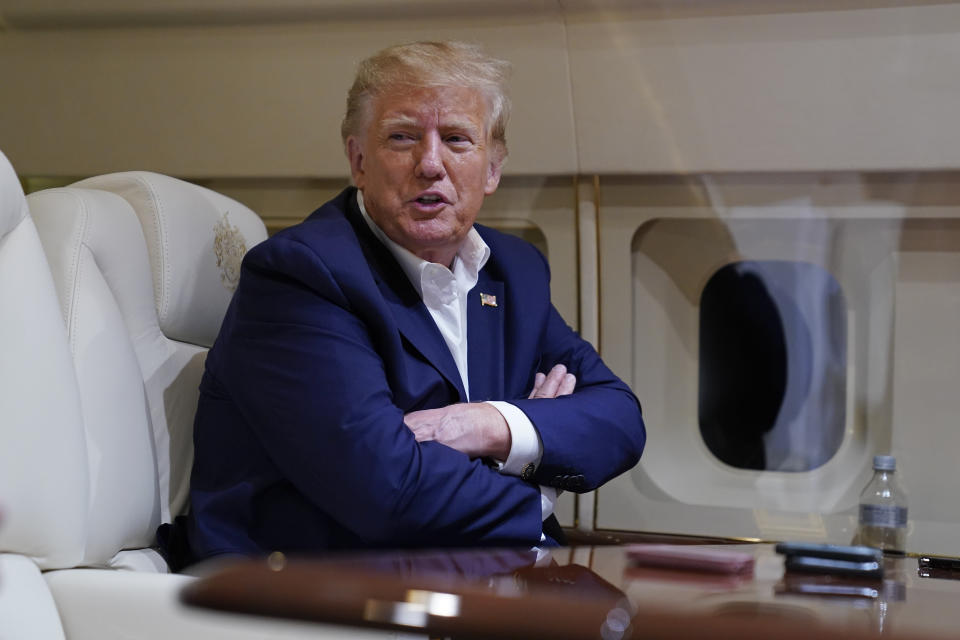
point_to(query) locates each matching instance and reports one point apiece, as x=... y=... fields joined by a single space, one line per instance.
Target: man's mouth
x=430 y=199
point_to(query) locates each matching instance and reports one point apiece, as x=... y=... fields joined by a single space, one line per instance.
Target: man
x=343 y=404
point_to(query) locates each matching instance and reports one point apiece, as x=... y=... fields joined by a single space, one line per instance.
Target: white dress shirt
x=444 y=293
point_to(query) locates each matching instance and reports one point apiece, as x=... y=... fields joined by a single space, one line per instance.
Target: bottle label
x=883 y=515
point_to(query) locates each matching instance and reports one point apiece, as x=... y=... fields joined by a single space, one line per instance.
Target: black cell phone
x=849 y=553
x=816 y=588
x=943 y=568
x=939 y=563
x=807 y=564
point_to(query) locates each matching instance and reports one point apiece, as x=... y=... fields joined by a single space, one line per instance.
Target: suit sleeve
x=591 y=435
x=300 y=362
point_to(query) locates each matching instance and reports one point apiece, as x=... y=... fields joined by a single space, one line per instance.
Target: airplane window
x=772 y=376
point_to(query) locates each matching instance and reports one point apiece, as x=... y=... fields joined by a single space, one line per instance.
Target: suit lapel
x=485 y=339
x=418 y=327
x=413 y=320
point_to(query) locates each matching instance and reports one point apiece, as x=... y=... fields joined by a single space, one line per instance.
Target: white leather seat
x=43 y=461
x=195 y=240
x=144 y=266
x=95 y=247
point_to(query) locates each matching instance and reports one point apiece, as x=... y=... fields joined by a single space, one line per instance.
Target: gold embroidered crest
x=229 y=247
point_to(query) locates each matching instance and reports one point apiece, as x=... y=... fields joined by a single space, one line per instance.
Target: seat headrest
x=13 y=206
x=196 y=239
x=44 y=475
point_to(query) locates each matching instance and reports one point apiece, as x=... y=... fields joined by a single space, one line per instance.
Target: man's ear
x=497 y=160
x=355 y=156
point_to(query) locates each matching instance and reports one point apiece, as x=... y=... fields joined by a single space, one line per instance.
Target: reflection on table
x=584 y=592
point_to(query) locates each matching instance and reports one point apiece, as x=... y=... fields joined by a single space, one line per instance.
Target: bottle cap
x=884 y=463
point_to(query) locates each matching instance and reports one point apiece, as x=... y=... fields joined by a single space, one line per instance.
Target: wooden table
x=582 y=592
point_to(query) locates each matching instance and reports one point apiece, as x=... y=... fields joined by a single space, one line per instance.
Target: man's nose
x=430 y=162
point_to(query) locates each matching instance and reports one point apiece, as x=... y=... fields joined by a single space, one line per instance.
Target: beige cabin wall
x=855 y=87
x=246 y=100
x=256 y=88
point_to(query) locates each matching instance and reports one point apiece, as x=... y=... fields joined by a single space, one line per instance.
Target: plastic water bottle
x=883 y=509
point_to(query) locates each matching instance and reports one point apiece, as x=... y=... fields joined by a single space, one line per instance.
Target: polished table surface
x=583 y=592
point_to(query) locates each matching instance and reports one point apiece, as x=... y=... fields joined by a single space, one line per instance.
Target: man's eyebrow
x=406 y=122
x=398 y=121
x=461 y=125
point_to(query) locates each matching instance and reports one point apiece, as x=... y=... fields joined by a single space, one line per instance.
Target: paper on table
x=690 y=558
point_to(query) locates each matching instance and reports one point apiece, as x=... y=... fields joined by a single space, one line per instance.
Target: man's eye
x=400 y=137
x=457 y=139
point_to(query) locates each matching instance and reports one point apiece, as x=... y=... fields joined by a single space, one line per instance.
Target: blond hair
x=430 y=64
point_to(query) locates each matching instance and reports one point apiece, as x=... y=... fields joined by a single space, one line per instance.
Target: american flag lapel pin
x=488 y=300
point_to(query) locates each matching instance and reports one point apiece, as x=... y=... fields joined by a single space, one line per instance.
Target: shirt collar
x=471 y=256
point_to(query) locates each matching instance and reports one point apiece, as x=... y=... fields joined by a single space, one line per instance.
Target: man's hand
x=554 y=384
x=475 y=428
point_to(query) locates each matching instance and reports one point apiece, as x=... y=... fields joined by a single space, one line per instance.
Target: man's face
x=424 y=165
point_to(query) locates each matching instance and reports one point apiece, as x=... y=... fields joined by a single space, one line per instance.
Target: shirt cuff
x=525 y=446
x=548 y=501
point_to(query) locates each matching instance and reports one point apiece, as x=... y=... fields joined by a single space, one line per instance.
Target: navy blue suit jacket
x=299 y=437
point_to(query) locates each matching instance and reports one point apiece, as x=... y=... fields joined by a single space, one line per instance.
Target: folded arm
x=303 y=364
x=587 y=420
x=478 y=429
x=593 y=434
